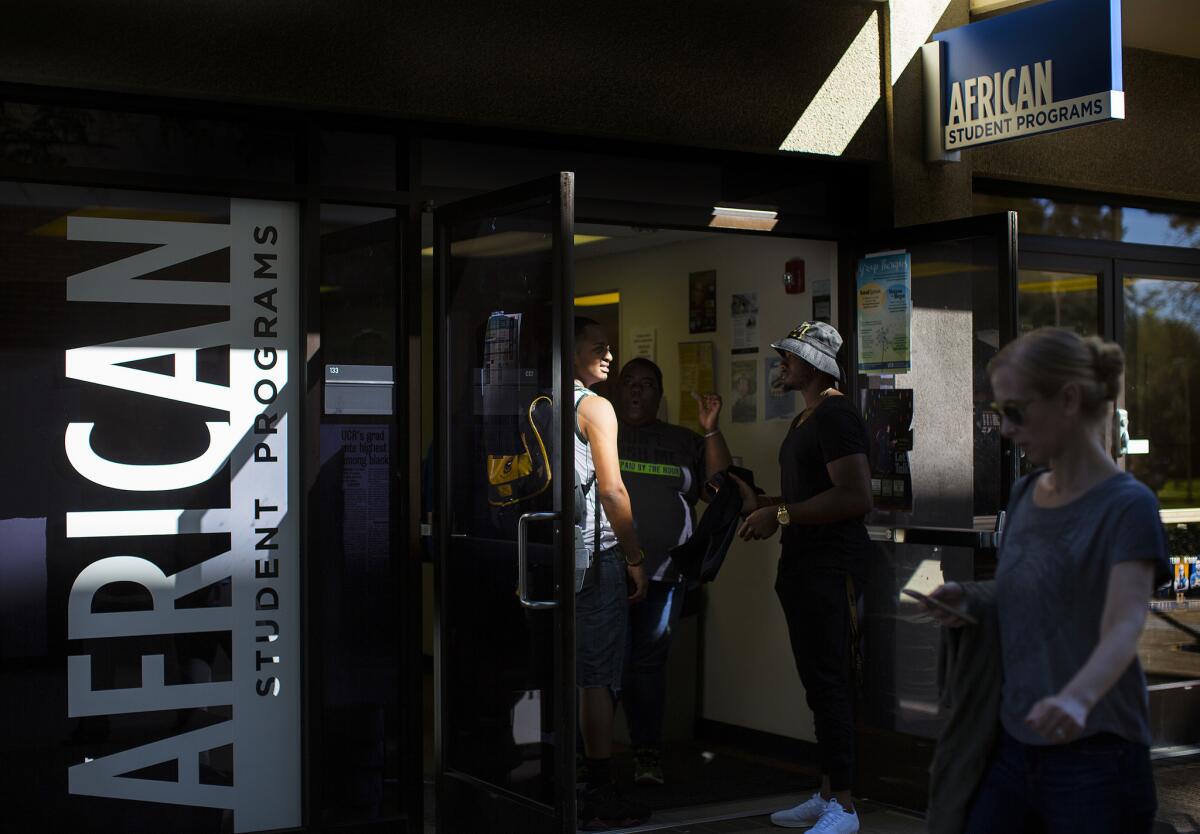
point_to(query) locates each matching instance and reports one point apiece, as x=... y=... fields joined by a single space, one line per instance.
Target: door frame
x=560 y=189
x=904 y=780
x=1168 y=261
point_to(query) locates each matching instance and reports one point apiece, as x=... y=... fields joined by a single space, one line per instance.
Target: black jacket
x=700 y=557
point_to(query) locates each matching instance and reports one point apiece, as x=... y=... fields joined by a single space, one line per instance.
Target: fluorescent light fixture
x=730 y=217
x=598 y=299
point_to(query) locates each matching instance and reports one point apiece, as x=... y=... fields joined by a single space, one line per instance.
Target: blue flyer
x=885 y=314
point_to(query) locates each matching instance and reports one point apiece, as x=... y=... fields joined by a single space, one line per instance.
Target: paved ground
x=1178 y=797
x=875 y=819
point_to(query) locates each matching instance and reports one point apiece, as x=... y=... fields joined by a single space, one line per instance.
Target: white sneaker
x=836 y=820
x=804 y=815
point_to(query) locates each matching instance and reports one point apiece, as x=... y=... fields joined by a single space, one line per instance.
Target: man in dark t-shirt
x=664 y=467
x=826 y=491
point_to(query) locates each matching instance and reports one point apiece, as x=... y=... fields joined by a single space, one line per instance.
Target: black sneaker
x=604 y=807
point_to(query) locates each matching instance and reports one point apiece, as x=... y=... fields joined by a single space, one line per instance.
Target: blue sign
x=1045 y=68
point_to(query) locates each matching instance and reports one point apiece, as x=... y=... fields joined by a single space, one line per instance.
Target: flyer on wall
x=779 y=403
x=743 y=310
x=743 y=376
x=365 y=486
x=695 y=374
x=885 y=313
x=889 y=414
x=645 y=343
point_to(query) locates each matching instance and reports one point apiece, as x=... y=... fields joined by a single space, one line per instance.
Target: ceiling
x=1171 y=26
x=620 y=239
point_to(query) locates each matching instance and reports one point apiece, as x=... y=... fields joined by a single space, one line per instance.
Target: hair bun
x=1109 y=362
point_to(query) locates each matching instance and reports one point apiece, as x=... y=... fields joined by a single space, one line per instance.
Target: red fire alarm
x=793 y=276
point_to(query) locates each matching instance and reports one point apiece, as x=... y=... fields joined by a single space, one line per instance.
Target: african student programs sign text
x=252 y=448
x=1052 y=66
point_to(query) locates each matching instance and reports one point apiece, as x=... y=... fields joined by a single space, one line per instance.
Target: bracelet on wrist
x=641 y=557
x=712 y=433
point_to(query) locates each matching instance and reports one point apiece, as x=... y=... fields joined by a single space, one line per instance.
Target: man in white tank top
x=614 y=581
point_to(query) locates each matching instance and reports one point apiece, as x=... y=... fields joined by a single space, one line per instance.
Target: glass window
x=1162 y=389
x=1095 y=221
x=150 y=577
x=1058 y=299
x=359 y=585
x=1168 y=655
x=1162 y=339
x=57 y=137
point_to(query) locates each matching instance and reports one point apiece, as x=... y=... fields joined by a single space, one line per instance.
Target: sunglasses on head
x=1012 y=410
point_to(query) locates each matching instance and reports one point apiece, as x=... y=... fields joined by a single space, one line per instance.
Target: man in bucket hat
x=826 y=492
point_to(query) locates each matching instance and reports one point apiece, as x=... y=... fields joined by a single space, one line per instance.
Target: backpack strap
x=596 y=526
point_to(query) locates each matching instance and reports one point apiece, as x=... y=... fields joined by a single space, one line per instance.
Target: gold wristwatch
x=782 y=515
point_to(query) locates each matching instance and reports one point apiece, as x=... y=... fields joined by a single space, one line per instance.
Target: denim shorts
x=601 y=622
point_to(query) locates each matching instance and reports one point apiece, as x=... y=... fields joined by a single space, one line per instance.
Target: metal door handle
x=523 y=560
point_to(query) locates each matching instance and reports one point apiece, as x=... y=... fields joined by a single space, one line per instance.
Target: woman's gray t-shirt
x=1051 y=583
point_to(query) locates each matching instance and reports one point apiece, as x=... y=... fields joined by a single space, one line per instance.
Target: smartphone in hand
x=937 y=603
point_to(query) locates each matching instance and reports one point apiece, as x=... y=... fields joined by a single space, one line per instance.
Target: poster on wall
x=695 y=376
x=702 y=301
x=743 y=310
x=366 y=454
x=885 y=313
x=888 y=414
x=743 y=376
x=778 y=402
x=644 y=341
x=234 y=383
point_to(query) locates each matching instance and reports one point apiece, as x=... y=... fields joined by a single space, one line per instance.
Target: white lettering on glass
x=251 y=448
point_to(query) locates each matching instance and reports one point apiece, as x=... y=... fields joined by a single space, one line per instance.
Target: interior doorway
x=737 y=738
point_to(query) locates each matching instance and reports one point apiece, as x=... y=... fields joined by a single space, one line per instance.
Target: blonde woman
x=1081 y=553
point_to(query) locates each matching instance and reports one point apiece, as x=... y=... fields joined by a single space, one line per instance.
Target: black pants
x=817 y=608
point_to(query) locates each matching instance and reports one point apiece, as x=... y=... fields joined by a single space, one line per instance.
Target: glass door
x=503 y=463
x=940 y=471
x=1160 y=331
x=1068 y=291
x=1056 y=290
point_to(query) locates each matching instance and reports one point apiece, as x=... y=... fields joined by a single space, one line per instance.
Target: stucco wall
x=1154 y=151
x=711 y=74
x=924 y=192
x=714 y=73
